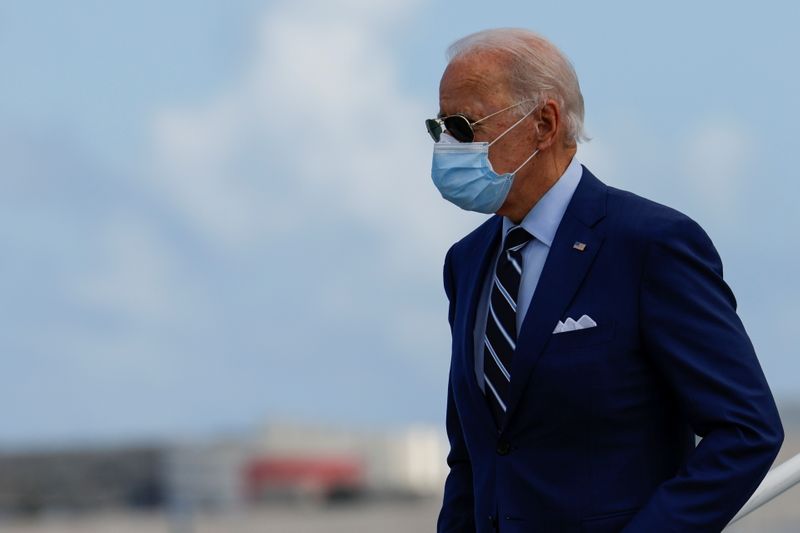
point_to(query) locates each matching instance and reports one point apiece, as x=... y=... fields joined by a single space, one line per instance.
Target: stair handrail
x=777 y=481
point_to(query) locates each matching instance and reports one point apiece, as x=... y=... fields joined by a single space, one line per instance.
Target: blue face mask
x=464 y=176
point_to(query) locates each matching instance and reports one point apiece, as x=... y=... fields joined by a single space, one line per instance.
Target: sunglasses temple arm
x=500 y=111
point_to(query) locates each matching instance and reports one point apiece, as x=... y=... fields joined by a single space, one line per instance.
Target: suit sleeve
x=696 y=341
x=457 y=514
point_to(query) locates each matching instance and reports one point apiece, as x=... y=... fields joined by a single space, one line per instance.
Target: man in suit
x=593 y=335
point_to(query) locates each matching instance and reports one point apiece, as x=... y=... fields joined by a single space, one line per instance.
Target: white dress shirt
x=542 y=222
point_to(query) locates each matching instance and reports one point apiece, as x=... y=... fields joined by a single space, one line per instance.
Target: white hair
x=538 y=71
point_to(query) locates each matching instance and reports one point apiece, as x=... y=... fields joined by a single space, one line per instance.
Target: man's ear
x=549 y=121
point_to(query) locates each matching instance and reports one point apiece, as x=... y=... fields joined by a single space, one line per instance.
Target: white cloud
x=624 y=151
x=703 y=169
x=718 y=155
x=315 y=131
x=134 y=275
x=313 y=166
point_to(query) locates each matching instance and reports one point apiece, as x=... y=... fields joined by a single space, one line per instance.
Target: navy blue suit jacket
x=600 y=430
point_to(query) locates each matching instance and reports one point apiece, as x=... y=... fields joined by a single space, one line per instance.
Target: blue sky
x=219 y=213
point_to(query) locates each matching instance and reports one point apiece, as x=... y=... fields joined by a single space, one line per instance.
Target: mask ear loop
x=513 y=126
x=526 y=161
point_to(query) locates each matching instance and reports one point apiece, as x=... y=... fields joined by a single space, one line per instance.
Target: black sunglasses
x=458 y=126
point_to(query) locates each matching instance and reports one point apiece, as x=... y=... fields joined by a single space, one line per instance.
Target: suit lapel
x=561 y=276
x=483 y=251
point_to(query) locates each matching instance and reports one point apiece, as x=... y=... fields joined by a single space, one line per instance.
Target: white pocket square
x=569 y=324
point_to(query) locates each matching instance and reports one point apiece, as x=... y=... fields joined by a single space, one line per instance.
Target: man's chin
x=506 y=210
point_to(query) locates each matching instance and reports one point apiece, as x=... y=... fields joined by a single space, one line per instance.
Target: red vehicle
x=318 y=478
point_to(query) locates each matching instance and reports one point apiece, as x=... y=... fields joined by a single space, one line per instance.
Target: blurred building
x=282 y=461
x=206 y=474
x=81 y=480
x=407 y=461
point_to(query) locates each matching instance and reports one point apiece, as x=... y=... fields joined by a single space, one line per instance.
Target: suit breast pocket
x=582 y=338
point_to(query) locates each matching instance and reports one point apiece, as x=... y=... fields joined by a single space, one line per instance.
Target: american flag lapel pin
x=580 y=246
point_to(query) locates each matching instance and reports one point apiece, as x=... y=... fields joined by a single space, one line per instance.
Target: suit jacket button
x=503 y=447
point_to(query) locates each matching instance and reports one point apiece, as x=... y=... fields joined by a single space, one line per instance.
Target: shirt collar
x=543 y=219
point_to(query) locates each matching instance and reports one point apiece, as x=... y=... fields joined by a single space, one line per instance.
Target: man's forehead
x=469 y=87
x=469 y=100
x=471 y=109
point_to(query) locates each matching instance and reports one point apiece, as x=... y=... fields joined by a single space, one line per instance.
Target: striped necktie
x=500 y=338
